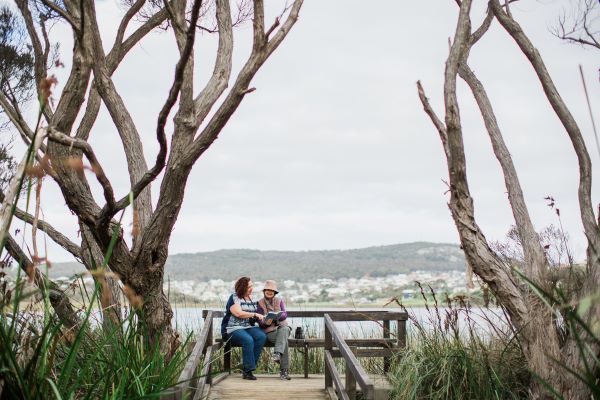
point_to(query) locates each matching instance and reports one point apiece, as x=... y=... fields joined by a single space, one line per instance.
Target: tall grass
x=447 y=359
x=40 y=359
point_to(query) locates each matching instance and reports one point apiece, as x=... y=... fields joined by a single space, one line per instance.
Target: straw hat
x=271 y=285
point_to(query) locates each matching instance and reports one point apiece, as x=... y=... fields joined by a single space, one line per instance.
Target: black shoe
x=248 y=375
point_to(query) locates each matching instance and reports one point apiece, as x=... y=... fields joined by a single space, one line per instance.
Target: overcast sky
x=333 y=150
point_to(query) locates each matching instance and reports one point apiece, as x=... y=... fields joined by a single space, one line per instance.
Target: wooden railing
x=195 y=383
x=197 y=377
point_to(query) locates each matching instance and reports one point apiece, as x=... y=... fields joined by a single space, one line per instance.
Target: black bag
x=299 y=334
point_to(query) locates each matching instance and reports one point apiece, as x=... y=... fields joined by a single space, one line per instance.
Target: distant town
x=344 y=291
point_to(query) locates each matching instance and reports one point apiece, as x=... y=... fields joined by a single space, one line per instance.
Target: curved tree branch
x=60 y=302
x=536 y=264
x=151 y=174
x=52 y=233
x=84 y=146
x=588 y=218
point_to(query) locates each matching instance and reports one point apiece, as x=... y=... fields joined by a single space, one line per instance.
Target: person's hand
x=259 y=316
x=269 y=321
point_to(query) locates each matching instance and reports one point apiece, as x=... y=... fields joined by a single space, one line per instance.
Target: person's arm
x=283 y=312
x=263 y=323
x=236 y=310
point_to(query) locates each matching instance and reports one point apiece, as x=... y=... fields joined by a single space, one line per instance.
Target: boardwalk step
x=269 y=387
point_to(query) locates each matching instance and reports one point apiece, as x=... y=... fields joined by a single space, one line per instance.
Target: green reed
x=448 y=360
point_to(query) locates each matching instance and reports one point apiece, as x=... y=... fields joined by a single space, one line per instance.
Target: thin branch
x=439 y=125
x=589 y=104
x=485 y=26
x=16 y=119
x=536 y=264
x=150 y=175
x=63 y=14
x=58 y=299
x=222 y=70
x=39 y=65
x=260 y=53
x=52 y=232
x=285 y=28
x=84 y=146
x=135 y=7
x=113 y=59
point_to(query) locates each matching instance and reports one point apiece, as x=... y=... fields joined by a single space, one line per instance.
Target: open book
x=273 y=315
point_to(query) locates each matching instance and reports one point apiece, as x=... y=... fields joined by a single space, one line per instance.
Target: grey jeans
x=279 y=338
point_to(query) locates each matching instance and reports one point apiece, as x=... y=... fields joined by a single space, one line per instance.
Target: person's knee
x=261 y=339
x=245 y=341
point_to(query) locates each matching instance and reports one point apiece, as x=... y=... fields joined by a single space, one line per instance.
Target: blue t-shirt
x=235 y=323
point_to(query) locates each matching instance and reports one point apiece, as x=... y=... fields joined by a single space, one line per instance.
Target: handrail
x=352 y=364
x=337 y=380
x=187 y=376
x=337 y=315
x=333 y=343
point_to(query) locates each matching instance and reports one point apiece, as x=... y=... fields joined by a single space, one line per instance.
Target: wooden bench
x=365 y=348
x=382 y=347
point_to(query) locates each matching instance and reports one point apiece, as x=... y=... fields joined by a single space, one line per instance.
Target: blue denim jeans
x=252 y=341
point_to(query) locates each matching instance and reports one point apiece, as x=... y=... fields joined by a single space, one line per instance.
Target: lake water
x=482 y=320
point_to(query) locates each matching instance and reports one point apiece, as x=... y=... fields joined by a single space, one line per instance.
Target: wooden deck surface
x=269 y=387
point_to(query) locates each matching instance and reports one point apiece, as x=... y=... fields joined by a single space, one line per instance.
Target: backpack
x=226 y=317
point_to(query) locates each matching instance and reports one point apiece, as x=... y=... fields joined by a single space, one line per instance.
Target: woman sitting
x=238 y=325
x=276 y=328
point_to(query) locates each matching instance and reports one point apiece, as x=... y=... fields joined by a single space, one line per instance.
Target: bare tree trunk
x=533 y=320
x=109 y=284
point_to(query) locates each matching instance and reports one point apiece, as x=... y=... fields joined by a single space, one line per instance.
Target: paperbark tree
x=199 y=117
x=537 y=325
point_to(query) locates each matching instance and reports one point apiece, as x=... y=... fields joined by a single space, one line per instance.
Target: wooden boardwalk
x=197 y=380
x=269 y=387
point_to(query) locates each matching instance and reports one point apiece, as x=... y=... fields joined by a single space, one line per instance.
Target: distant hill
x=305 y=266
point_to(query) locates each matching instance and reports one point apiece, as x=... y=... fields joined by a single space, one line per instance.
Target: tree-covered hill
x=305 y=265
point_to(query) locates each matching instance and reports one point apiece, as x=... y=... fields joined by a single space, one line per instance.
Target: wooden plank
x=187 y=374
x=335 y=376
x=369 y=316
x=350 y=381
x=332 y=394
x=351 y=361
x=306 y=359
x=205 y=376
x=268 y=387
x=401 y=334
x=386 y=334
x=353 y=315
x=360 y=353
x=328 y=346
x=316 y=342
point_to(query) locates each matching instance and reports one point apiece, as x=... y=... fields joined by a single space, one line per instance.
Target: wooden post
x=209 y=343
x=386 y=335
x=305 y=359
x=328 y=347
x=227 y=357
x=350 y=380
x=401 y=335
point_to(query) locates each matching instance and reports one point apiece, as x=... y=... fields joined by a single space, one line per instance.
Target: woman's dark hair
x=241 y=286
